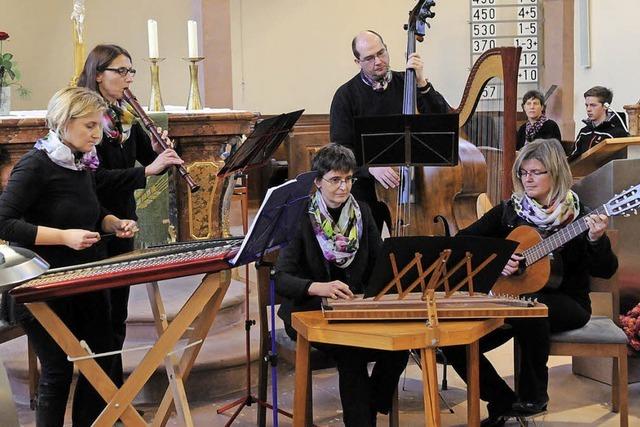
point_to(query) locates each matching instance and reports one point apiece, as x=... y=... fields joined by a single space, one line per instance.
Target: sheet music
x=279 y=200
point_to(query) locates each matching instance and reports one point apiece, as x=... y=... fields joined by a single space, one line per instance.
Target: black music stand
x=405 y=248
x=255 y=151
x=275 y=223
x=260 y=145
x=407 y=140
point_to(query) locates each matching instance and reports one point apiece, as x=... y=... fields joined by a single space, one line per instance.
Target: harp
x=490 y=123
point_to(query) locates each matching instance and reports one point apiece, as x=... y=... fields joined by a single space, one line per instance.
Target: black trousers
x=88 y=317
x=363 y=395
x=119 y=303
x=533 y=335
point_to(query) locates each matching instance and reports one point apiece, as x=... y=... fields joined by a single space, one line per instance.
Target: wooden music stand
x=444 y=259
x=199 y=311
x=601 y=154
x=436 y=263
x=439 y=275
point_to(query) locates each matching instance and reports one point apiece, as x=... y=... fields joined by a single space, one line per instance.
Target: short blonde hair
x=550 y=153
x=72 y=103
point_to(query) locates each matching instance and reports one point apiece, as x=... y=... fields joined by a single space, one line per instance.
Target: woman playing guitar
x=542 y=200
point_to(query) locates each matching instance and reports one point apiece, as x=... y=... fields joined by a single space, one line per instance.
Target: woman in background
x=50 y=206
x=108 y=71
x=537 y=126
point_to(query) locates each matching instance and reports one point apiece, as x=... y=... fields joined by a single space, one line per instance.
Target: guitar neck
x=558 y=239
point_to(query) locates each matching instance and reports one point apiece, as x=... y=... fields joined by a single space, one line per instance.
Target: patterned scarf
x=547 y=218
x=377 y=85
x=532 y=129
x=62 y=155
x=340 y=240
x=116 y=123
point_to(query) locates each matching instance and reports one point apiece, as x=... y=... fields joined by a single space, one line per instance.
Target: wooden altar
x=201 y=138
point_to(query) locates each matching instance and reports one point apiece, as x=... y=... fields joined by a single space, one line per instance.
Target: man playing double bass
x=377 y=90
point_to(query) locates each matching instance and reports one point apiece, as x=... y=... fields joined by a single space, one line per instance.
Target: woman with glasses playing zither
x=542 y=199
x=332 y=255
x=108 y=71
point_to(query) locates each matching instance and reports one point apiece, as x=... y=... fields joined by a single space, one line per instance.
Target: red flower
x=3 y=35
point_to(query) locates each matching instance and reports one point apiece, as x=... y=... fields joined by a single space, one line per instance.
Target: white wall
x=290 y=54
x=41 y=40
x=615 y=53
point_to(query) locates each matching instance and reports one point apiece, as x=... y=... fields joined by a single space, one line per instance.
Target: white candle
x=192 y=33
x=152 y=27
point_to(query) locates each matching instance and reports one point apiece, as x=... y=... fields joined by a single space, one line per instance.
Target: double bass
x=445 y=199
x=404 y=201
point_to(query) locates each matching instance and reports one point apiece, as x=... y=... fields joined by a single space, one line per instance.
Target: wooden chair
x=600 y=337
x=286 y=349
x=240 y=190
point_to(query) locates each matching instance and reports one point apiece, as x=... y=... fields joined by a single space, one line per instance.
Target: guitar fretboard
x=558 y=239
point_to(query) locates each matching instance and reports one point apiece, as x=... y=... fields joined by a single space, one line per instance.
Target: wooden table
x=398 y=335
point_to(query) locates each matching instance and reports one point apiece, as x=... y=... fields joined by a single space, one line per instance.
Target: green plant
x=9 y=73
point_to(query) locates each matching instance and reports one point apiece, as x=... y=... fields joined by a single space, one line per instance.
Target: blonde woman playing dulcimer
x=542 y=200
x=50 y=206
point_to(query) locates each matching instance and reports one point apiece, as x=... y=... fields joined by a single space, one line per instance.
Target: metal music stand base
x=249 y=399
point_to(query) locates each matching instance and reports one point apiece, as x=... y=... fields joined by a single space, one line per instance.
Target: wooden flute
x=152 y=128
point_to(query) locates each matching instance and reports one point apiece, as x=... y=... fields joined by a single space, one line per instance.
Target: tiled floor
x=575 y=401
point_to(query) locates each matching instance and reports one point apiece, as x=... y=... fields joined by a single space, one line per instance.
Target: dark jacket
x=302 y=262
x=549 y=130
x=591 y=135
x=41 y=193
x=356 y=98
x=118 y=177
x=580 y=258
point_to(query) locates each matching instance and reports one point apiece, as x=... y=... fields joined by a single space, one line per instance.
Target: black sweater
x=302 y=262
x=117 y=177
x=356 y=98
x=548 y=130
x=42 y=193
x=580 y=258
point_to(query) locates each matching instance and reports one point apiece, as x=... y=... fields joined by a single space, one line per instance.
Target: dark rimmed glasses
x=379 y=54
x=336 y=181
x=123 y=71
x=523 y=173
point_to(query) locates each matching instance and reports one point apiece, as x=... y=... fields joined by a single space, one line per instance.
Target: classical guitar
x=537 y=251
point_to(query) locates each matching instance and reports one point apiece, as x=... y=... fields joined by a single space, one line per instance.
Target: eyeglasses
x=523 y=173
x=123 y=71
x=382 y=52
x=336 y=181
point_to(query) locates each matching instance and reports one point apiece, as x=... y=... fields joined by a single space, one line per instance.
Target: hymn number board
x=496 y=23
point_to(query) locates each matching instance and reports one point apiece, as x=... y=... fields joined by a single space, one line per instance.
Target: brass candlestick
x=194 y=102
x=155 y=100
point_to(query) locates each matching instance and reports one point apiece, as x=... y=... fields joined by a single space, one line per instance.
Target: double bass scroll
x=151 y=127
